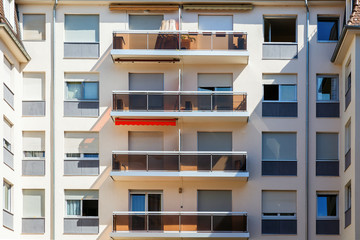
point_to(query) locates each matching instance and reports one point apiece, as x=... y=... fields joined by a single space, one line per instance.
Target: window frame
x=279 y=92
x=317 y=87
x=33 y=40
x=71 y=14
x=7 y=187
x=83 y=83
x=347 y=137
x=281 y=17
x=334 y=17
x=81 y=208
x=146 y=193
x=81 y=156
x=348 y=196
x=198 y=22
x=278 y=216
x=279 y=160
x=337 y=206
x=338 y=147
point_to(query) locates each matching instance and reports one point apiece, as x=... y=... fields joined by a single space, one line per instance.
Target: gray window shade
x=214 y=200
x=279 y=202
x=145 y=22
x=327 y=146
x=7 y=131
x=279 y=146
x=146 y=81
x=33 y=86
x=33 y=203
x=34 y=27
x=81 y=142
x=82 y=28
x=224 y=23
x=214 y=141
x=146 y=141
x=34 y=141
x=215 y=80
x=81 y=194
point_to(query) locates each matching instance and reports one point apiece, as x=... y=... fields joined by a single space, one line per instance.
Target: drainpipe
x=307 y=122
x=53 y=123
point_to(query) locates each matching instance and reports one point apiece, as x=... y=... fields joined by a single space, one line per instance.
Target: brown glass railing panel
x=163 y=162
x=186 y=41
x=170 y=162
x=178 y=222
x=211 y=101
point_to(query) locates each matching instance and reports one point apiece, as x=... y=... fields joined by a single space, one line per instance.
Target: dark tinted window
x=90 y=208
x=280 y=29
x=271 y=92
x=328 y=29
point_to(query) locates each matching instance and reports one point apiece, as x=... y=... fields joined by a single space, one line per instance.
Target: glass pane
x=288 y=93
x=81 y=28
x=154 y=202
x=328 y=29
x=91 y=155
x=138 y=202
x=327 y=88
x=33 y=27
x=271 y=92
x=91 y=91
x=90 y=208
x=145 y=22
x=326 y=205
x=73 y=207
x=279 y=146
x=73 y=91
x=223 y=23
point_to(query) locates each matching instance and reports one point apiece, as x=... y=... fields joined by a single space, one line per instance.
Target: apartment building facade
x=179 y=119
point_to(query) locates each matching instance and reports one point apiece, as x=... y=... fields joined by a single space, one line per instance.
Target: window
x=279 y=29
x=82 y=91
x=7 y=196
x=328 y=28
x=34 y=27
x=348 y=197
x=145 y=22
x=327 y=206
x=279 y=146
x=214 y=23
x=215 y=82
x=82 y=145
x=33 y=86
x=214 y=141
x=8 y=135
x=348 y=137
x=146 y=81
x=214 y=200
x=9 y=11
x=144 y=201
x=82 y=203
x=33 y=203
x=279 y=204
x=34 y=145
x=327 y=88
x=82 y=28
x=146 y=141
x=327 y=146
x=281 y=93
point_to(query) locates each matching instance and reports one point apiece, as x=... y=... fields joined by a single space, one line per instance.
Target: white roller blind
x=146 y=141
x=279 y=202
x=33 y=141
x=224 y=23
x=80 y=77
x=214 y=141
x=33 y=86
x=7 y=131
x=215 y=80
x=146 y=81
x=81 y=194
x=327 y=146
x=279 y=146
x=145 y=22
x=82 y=28
x=81 y=142
x=279 y=79
x=33 y=203
x=34 y=27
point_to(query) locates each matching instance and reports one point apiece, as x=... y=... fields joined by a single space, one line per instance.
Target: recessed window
x=348 y=137
x=145 y=22
x=327 y=206
x=278 y=204
x=82 y=203
x=216 y=23
x=280 y=29
x=82 y=28
x=283 y=92
x=348 y=197
x=34 y=145
x=328 y=28
x=34 y=27
x=7 y=196
x=82 y=91
x=8 y=135
x=327 y=88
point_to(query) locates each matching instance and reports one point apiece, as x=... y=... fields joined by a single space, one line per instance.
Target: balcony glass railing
x=210 y=222
x=176 y=162
x=172 y=101
x=174 y=40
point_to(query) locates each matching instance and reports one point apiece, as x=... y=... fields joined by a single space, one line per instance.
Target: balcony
x=174 y=104
x=180 y=225
x=140 y=166
x=198 y=47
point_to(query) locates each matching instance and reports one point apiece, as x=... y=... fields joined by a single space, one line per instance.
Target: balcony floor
x=186 y=56
x=177 y=235
x=187 y=175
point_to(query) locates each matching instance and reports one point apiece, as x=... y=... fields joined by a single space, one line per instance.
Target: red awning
x=145 y=122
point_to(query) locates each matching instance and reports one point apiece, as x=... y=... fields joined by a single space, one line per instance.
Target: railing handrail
x=178 y=213
x=176 y=32
x=181 y=152
x=180 y=92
